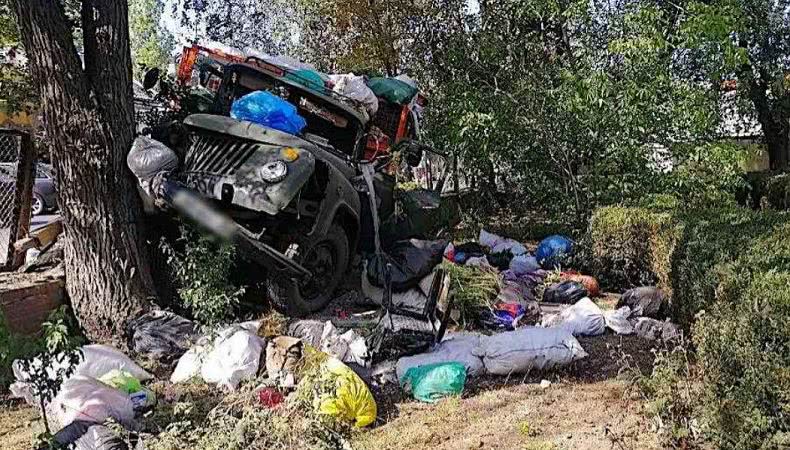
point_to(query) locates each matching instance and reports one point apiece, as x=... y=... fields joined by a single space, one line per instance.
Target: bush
x=729 y=270
x=203 y=267
x=744 y=350
x=631 y=247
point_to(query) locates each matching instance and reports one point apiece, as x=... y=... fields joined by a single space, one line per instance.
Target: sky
x=182 y=34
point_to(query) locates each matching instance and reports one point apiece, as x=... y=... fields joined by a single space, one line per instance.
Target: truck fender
x=341 y=203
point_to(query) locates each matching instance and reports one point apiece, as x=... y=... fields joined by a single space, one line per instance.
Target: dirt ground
x=565 y=415
x=19 y=426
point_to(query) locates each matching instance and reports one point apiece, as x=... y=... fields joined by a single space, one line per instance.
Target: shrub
x=673 y=391
x=712 y=240
x=631 y=246
x=203 y=267
x=13 y=347
x=744 y=352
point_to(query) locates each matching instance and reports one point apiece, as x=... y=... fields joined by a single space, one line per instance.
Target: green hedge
x=631 y=247
x=729 y=273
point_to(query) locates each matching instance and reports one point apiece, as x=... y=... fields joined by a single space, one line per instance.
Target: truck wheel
x=327 y=258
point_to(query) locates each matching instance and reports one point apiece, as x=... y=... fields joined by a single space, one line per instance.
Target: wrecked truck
x=296 y=205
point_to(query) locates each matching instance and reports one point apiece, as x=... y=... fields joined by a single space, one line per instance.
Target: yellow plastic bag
x=352 y=400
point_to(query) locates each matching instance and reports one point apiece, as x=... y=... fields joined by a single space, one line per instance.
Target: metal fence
x=16 y=187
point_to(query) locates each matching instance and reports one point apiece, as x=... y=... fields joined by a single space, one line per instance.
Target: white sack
x=86 y=398
x=96 y=360
x=617 y=320
x=100 y=359
x=232 y=360
x=528 y=348
x=355 y=88
x=584 y=318
x=455 y=347
x=348 y=347
x=188 y=365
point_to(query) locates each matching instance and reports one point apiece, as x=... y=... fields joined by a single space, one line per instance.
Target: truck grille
x=219 y=155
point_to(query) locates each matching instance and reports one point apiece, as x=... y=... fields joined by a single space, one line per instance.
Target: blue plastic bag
x=431 y=382
x=266 y=109
x=552 y=249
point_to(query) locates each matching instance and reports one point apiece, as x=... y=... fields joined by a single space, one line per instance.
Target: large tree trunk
x=773 y=119
x=89 y=119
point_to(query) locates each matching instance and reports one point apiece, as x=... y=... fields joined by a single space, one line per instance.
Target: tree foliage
x=151 y=43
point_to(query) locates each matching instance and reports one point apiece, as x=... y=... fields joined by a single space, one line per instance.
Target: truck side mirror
x=151 y=77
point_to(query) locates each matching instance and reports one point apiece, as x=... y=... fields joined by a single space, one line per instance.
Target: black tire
x=327 y=257
x=37 y=205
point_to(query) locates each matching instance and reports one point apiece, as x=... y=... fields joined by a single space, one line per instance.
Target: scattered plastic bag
x=584 y=318
x=433 y=382
x=309 y=331
x=501 y=261
x=489 y=240
x=528 y=348
x=140 y=396
x=232 y=360
x=348 y=347
x=567 y=292
x=85 y=398
x=589 y=283
x=89 y=435
x=645 y=301
x=283 y=354
x=618 y=322
x=411 y=261
x=354 y=87
x=270 y=397
x=162 y=335
x=479 y=262
x=653 y=329
x=149 y=157
x=458 y=347
x=267 y=109
x=552 y=249
x=524 y=264
x=189 y=364
x=351 y=400
x=509 y=245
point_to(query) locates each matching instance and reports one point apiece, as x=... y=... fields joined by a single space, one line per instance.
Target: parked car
x=44 y=197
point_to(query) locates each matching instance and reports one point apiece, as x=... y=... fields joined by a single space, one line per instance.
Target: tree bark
x=774 y=120
x=89 y=119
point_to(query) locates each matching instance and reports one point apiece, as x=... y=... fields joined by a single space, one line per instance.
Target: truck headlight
x=273 y=172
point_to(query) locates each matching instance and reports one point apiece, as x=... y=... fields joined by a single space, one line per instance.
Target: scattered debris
x=544 y=384
x=162 y=336
x=646 y=301
x=431 y=382
x=567 y=292
x=584 y=318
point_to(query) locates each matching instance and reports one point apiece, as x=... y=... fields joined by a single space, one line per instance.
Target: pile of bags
x=442 y=371
x=105 y=384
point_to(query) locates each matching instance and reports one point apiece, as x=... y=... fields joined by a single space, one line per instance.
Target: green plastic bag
x=141 y=396
x=392 y=90
x=432 y=382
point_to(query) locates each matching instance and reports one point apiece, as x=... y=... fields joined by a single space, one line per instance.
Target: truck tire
x=327 y=258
